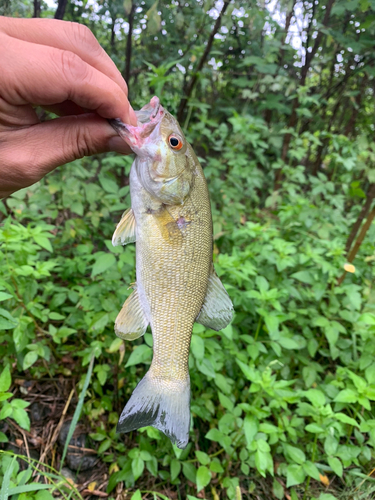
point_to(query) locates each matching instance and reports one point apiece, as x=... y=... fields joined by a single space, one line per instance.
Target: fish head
x=164 y=163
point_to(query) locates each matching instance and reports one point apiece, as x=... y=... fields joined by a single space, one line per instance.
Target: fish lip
x=148 y=118
x=151 y=112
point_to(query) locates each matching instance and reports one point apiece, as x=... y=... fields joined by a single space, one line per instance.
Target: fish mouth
x=148 y=118
x=150 y=112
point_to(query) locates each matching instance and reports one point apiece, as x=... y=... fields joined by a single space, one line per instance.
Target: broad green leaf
x=345 y=419
x=346 y=396
x=138 y=466
x=203 y=458
x=197 y=347
x=316 y=397
x=30 y=358
x=295 y=474
x=175 y=469
x=5 y=296
x=250 y=426
x=335 y=465
x=295 y=454
x=203 y=477
x=5 y=379
x=140 y=354
x=103 y=263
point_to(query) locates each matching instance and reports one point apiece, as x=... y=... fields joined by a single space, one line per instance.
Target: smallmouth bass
x=176 y=284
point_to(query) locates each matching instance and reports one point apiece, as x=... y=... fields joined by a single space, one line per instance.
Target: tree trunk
x=113 y=34
x=60 y=11
x=194 y=78
x=36 y=8
x=305 y=69
x=350 y=126
x=128 y=54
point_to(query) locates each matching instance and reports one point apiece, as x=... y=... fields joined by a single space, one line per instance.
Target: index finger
x=65 y=35
x=43 y=75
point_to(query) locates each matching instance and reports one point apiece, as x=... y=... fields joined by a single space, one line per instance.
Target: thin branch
x=363 y=213
x=358 y=243
x=128 y=55
x=201 y=63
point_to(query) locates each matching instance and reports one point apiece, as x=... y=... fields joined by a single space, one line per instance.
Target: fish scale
x=170 y=221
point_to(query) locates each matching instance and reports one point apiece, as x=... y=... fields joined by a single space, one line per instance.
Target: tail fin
x=164 y=404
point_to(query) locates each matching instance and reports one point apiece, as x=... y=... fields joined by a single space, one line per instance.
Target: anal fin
x=125 y=230
x=217 y=308
x=131 y=322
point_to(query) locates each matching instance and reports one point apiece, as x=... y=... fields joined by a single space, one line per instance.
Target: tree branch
x=60 y=11
x=194 y=78
x=128 y=55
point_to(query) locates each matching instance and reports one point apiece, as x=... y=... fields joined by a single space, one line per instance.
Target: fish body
x=176 y=285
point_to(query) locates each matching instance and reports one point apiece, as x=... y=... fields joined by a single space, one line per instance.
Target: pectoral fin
x=125 y=230
x=217 y=308
x=131 y=322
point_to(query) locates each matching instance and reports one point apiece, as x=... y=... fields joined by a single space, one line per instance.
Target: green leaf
x=311 y=470
x=305 y=277
x=136 y=495
x=5 y=296
x=330 y=445
x=103 y=263
x=153 y=19
x=214 y=435
x=22 y=418
x=5 y=379
x=197 y=347
x=203 y=477
x=316 y=397
x=140 y=354
x=295 y=454
x=335 y=465
x=77 y=411
x=277 y=490
x=138 y=466
x=203 y=458
x=288 y=343
x=314 y=428
x=30 y=358
x=3 y=438
x=295 y=474
x=175 y=468
x=345 y=419
x=346 y=396
x=43 y=242
x=250 y=427
x=27 y=488
x=190 y=472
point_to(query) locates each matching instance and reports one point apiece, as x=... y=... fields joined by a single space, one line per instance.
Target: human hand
x=60 y=66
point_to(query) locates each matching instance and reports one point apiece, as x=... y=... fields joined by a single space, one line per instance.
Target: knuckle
x=84 y=36
x=76 y=140
x=73 y=68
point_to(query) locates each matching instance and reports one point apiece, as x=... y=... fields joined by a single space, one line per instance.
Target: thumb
x=28 y=154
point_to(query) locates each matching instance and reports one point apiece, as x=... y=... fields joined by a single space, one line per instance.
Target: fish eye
x=174 y=142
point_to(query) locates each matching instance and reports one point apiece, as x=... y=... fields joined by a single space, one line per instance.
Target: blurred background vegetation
x=277 y=98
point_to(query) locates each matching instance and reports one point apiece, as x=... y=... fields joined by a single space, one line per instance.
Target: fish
x=176 y=284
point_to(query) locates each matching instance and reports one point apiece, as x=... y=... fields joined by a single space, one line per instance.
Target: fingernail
x=118 y=145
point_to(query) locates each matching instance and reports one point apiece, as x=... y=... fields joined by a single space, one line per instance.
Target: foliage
x=282 y=398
